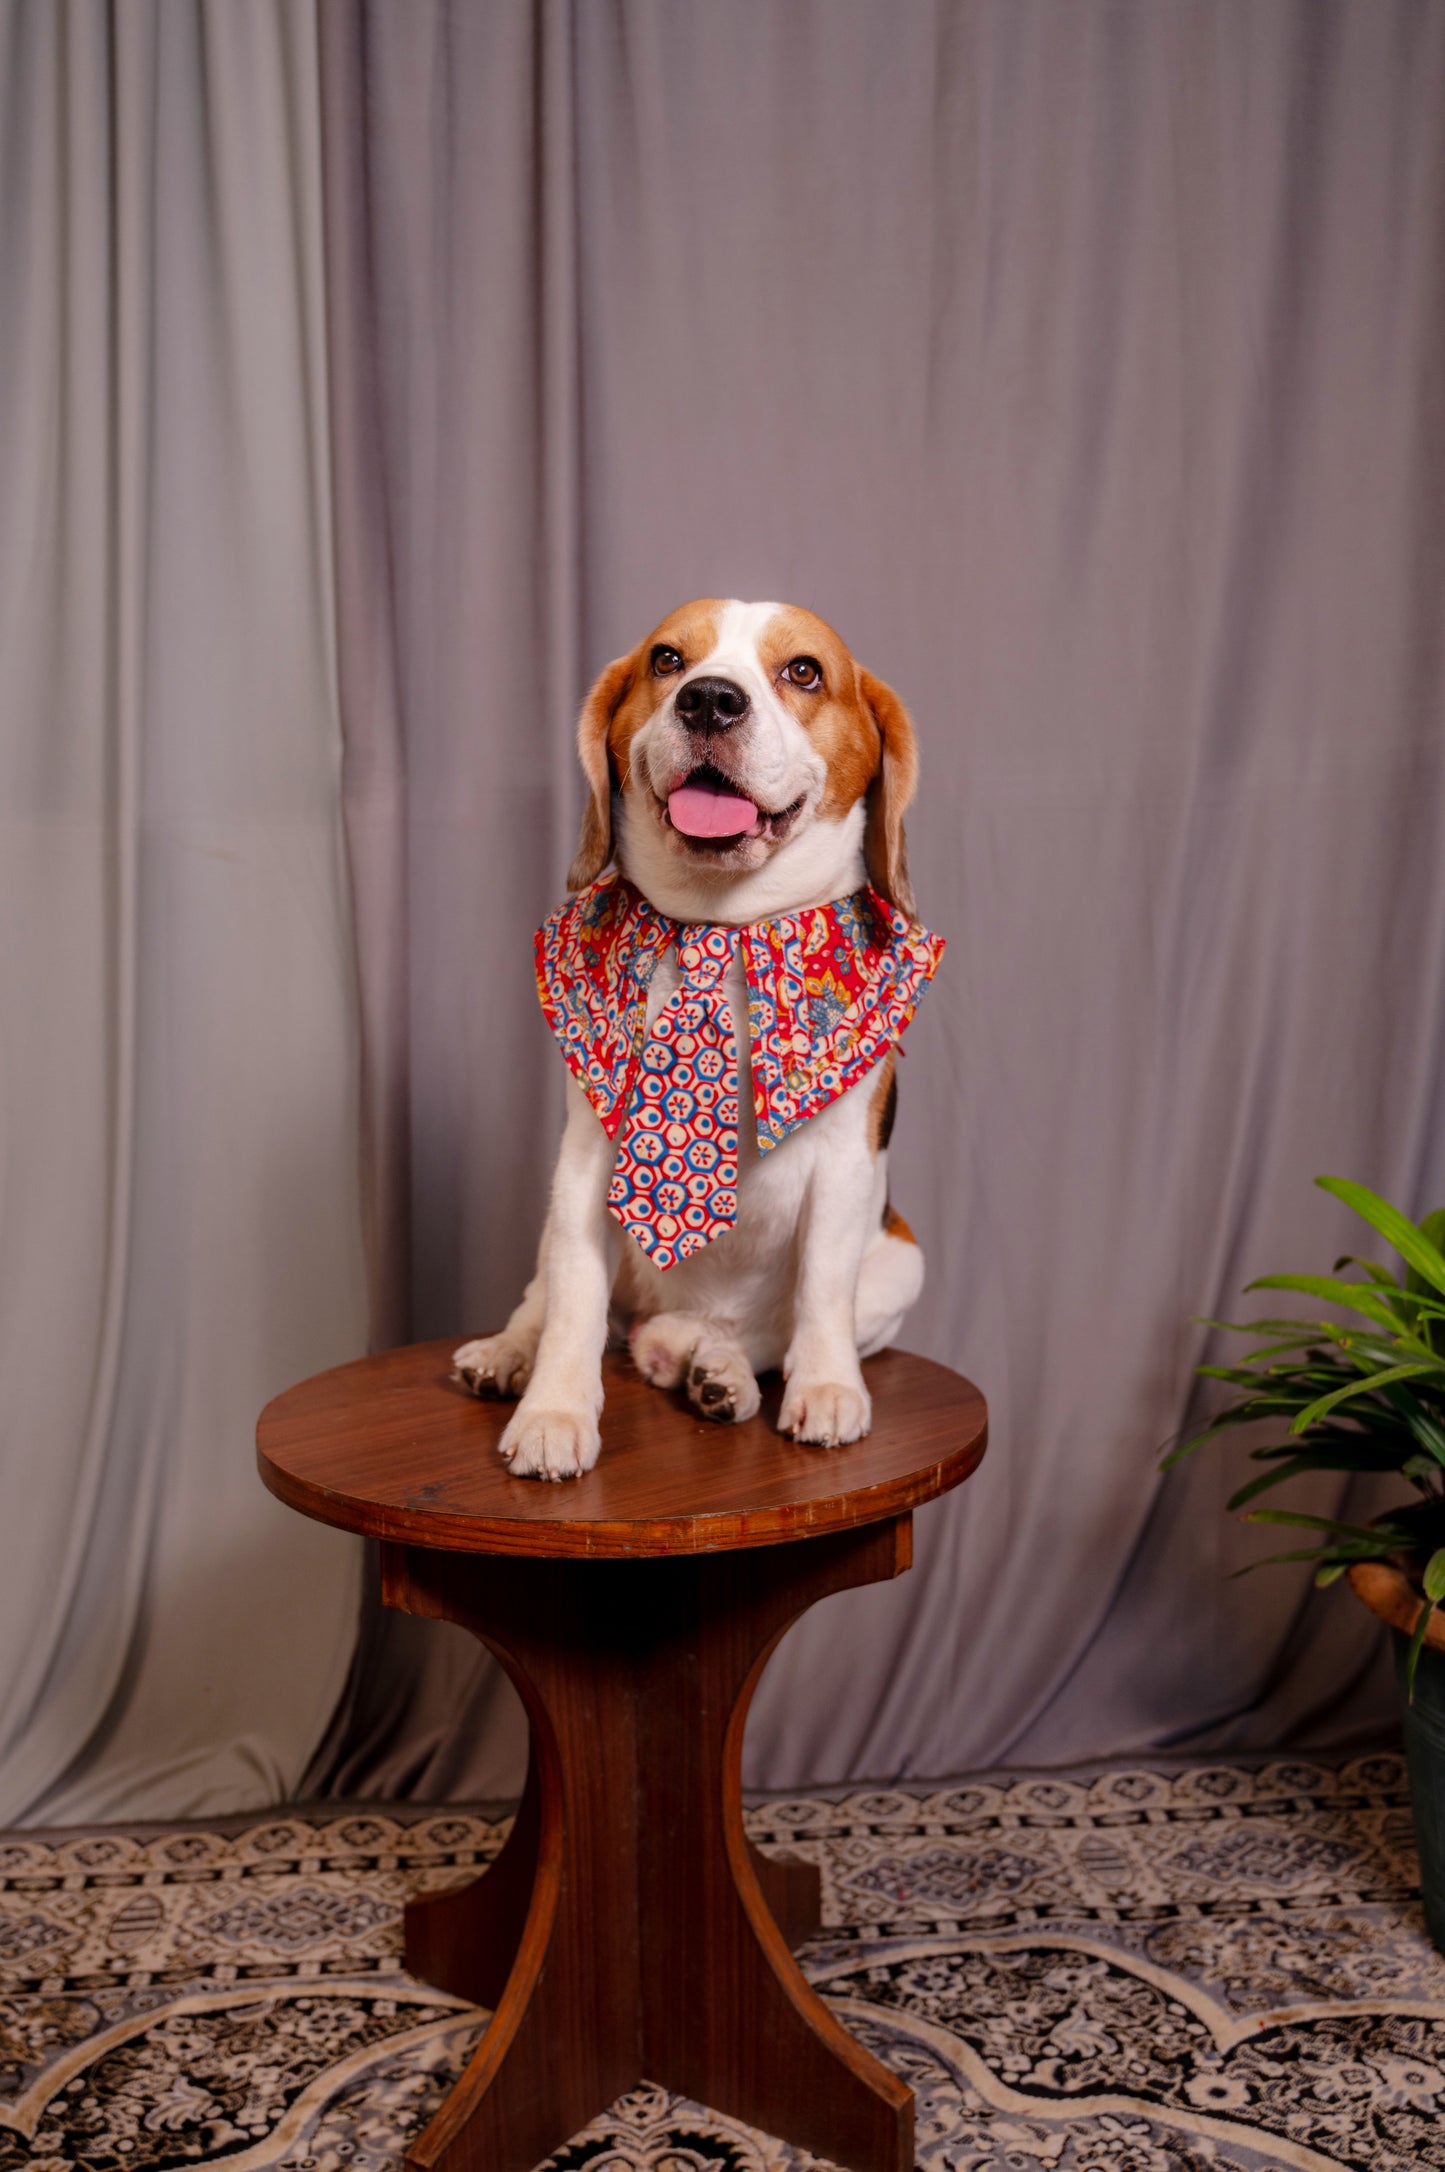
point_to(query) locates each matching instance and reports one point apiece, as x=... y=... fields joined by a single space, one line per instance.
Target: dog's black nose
x=711 y=705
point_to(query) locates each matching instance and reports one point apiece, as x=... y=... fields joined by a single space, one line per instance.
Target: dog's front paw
x=494 y=1365
x=824 y=1413
x=550 y=1443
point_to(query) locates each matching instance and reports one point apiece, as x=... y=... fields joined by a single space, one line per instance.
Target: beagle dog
x=749 y=962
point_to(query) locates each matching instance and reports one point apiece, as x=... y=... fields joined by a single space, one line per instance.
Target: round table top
x=395 y=1447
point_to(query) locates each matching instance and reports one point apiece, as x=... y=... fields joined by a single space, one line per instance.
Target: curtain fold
x=452 y=294
x=371 y=376
x=1083 y=366
x=179 y=1231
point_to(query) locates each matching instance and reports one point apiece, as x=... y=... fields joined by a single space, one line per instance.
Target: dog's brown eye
x=665 y=661
x=804 y=671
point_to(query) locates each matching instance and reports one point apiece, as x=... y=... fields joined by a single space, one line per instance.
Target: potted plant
x=1364 y=1394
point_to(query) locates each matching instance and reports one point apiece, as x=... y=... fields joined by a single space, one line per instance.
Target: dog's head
x=740 y=762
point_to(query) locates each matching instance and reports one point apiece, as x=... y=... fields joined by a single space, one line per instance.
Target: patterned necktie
x=676 y=1181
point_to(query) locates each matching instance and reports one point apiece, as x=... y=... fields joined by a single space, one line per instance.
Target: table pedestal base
x=629 y=1929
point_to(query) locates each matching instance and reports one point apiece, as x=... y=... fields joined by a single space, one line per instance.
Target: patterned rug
x=1133 y=1971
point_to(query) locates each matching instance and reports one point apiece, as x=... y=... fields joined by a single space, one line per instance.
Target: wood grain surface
x=626 y=1931
x=628 y=1927
x=394 y=1447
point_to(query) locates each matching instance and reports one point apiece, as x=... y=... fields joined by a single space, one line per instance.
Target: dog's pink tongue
x=698 y=810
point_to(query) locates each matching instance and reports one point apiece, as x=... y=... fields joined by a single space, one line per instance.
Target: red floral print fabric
x=830 y=990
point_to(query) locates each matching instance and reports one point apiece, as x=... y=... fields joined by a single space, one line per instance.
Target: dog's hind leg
x=673 y=1348
x=890 y=1276
x=720 y=1381
x=662 y=1347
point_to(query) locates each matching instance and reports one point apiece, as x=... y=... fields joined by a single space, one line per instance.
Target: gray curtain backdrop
x=369 y=376
x=1084 y=366
x=179 y=1227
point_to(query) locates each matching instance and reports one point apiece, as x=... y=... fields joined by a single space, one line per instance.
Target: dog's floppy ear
x=594 y=846
x=885 y=855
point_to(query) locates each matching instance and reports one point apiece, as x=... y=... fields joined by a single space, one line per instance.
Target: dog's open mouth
x=708 y=810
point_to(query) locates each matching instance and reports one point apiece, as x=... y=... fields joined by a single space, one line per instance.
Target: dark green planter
x=1424 y=1724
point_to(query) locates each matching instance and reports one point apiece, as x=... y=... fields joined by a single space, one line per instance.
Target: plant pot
x=1388 y=1592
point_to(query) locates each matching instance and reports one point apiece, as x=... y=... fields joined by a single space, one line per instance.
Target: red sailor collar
x=830 y=989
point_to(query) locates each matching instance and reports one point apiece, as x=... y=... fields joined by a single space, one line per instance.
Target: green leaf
x=1333 y=1290
x=1187 y=1447
x=1423 y=1302
x=1330 y=1574
x=1224 y=1423
x=1434 y=1577
x=1269 y=1400
x=1334 y=1449
x=1295 y=1466
x=1422 y=1426
x=1331 y=1551
x=1346 y=1346
x=1417 y=1644
x=1369 y=1383
x=1432 y=1228
x=1308 y=1328
x=1379 y=1275
x=1275 y=1477
x=1328 y=1555
x=1380 y=1418
x=1377 y=1425
x=1387 y=1537
x=1394 y=1291
x=1297 y=1342
x=1396 y=1228
x=1416 y=1300
x=1284 y=1402
x=1257 y=1358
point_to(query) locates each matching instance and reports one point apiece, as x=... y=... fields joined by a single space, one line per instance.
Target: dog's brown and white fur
x=818 y=1271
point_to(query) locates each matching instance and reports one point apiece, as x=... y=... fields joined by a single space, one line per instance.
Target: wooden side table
x=629 y=1929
